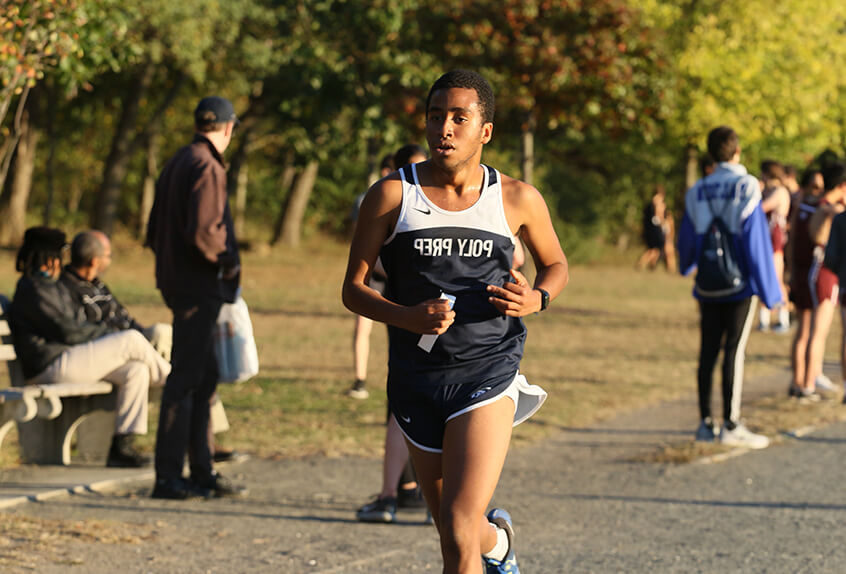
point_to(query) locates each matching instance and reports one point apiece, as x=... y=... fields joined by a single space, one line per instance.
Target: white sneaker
x=824 y=384
x=743 y=437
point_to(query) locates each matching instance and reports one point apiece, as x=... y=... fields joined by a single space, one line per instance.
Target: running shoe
x=707 y=431
x=743 y=437
x=357 y=391
x=378 y=510
x=502 y=519
x=823 y=383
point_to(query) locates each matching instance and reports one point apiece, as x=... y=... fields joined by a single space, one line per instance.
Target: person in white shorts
x=445 y=232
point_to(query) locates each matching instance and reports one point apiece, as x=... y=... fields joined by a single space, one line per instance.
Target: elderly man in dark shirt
x=91 y=254
x=197 y=270
x=56 y=343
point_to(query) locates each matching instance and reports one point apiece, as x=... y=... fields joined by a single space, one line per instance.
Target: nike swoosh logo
x=405 y=419
x=427 y=212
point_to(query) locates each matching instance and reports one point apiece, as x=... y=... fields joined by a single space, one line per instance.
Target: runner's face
x=455 y=129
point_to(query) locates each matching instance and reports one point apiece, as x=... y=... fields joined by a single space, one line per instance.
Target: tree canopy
x=597 y=101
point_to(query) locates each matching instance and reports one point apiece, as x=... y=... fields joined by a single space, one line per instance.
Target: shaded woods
x=597 y=101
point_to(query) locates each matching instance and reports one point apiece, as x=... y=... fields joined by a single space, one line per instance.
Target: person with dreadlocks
x=55 y=343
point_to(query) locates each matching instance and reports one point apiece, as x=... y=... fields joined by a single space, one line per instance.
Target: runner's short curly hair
x=470 y=80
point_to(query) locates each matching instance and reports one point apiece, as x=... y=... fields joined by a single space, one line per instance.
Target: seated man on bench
x=55 y=343
x=91 y=254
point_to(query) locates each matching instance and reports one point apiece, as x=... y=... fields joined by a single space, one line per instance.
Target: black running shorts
x=422 y=411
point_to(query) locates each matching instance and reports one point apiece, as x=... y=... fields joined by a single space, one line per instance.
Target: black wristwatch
x=544 y=298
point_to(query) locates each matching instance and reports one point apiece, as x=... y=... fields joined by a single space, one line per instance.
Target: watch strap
x=544 y=298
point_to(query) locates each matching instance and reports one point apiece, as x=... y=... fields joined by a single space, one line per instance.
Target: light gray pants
x=125 y=359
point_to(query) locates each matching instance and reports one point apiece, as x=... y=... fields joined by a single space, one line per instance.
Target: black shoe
x=410 y=498
x=178 y=489
x=123 y=454
x=378 y=510
x=219 y=486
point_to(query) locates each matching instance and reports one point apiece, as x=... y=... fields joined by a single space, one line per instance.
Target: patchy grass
x=777 y=417
x=615 y=340
x=27 y=543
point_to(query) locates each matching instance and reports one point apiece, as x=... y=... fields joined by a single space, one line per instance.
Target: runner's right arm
x=376 y=220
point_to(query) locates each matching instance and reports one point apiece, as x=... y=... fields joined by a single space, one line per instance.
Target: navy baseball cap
x=215 y=110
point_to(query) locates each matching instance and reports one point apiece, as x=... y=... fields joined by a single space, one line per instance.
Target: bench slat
x=56 y=390
x=76 y=389
x=4 y=328
x=7 y=353
x=18 y=393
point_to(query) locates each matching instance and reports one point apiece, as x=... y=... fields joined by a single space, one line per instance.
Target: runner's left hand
x=515 y=299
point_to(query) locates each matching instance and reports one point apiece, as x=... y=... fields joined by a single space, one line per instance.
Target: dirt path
x=581 y=501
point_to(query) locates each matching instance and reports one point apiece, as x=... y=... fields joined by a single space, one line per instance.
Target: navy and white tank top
x=434 y=251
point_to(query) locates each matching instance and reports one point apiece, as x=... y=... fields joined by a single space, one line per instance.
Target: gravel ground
x=579 y=503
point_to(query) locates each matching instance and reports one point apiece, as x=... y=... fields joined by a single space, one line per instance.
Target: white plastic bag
x=234 y=344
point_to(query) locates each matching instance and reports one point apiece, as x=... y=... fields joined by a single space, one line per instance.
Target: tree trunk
x=236 y=184
x=286 y=180
x=117 y=162
x=50 y=166
x=528 y=147
x=691 y=166
x=372 y=161
x=241 y=200
x=13 y=214
x=148 y=191
x=296 y=204
x=10 y=143
x=75 y=191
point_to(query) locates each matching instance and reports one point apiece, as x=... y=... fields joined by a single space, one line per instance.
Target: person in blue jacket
x=726 y=320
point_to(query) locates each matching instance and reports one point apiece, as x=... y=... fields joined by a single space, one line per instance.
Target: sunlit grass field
x=614 y=340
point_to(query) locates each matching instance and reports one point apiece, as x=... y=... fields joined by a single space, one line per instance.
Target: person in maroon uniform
x=814 y=289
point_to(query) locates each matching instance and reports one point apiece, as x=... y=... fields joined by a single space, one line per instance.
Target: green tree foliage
x=599 y=101
x=766 y=68
x=34 y=35
x=577 y=64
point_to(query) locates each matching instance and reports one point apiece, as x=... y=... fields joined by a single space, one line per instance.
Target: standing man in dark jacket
x=197 y=270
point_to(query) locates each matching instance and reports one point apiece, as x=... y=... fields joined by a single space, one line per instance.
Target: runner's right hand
x=431 y=317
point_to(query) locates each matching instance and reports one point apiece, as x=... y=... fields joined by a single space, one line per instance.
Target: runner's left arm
x=525 y=206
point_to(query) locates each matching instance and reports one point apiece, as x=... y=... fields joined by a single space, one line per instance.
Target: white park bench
x=48 y=416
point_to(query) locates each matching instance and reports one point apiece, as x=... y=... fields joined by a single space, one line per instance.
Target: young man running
x=445 y=232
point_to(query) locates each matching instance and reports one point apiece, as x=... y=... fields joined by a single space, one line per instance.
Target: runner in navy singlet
x=445 y=232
